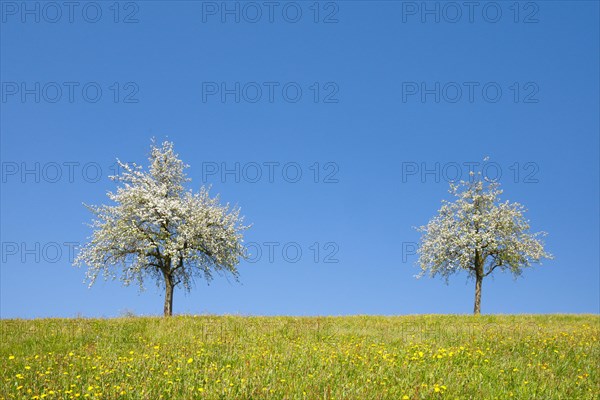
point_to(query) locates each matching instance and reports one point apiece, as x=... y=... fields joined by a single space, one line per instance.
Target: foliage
x=479 y=233
x=159 y=230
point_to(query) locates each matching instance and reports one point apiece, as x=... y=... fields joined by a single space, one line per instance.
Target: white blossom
x=478 y=233
x=159 y=230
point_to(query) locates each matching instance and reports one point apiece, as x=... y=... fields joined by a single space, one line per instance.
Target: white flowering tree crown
x=158 y=230
x=478 y=233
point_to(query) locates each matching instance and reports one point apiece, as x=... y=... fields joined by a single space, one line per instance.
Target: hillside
x=358 y=357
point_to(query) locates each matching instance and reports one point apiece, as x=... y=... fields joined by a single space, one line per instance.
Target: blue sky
x=375 y=104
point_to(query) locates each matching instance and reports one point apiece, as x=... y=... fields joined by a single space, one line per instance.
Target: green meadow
x=355 y=357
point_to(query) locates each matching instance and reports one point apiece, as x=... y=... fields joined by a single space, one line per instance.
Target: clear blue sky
x=396 y=93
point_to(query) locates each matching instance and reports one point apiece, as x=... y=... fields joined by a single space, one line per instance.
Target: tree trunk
x=168 y=296
x=478 y=282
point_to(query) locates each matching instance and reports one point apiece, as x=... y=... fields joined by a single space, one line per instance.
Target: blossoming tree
x=480 y=234
x=159 y=230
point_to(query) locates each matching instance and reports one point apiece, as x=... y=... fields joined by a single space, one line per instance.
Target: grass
x=360 y=357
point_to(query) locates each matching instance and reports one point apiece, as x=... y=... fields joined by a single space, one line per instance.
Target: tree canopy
x=478 y=233
x=158 y=230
